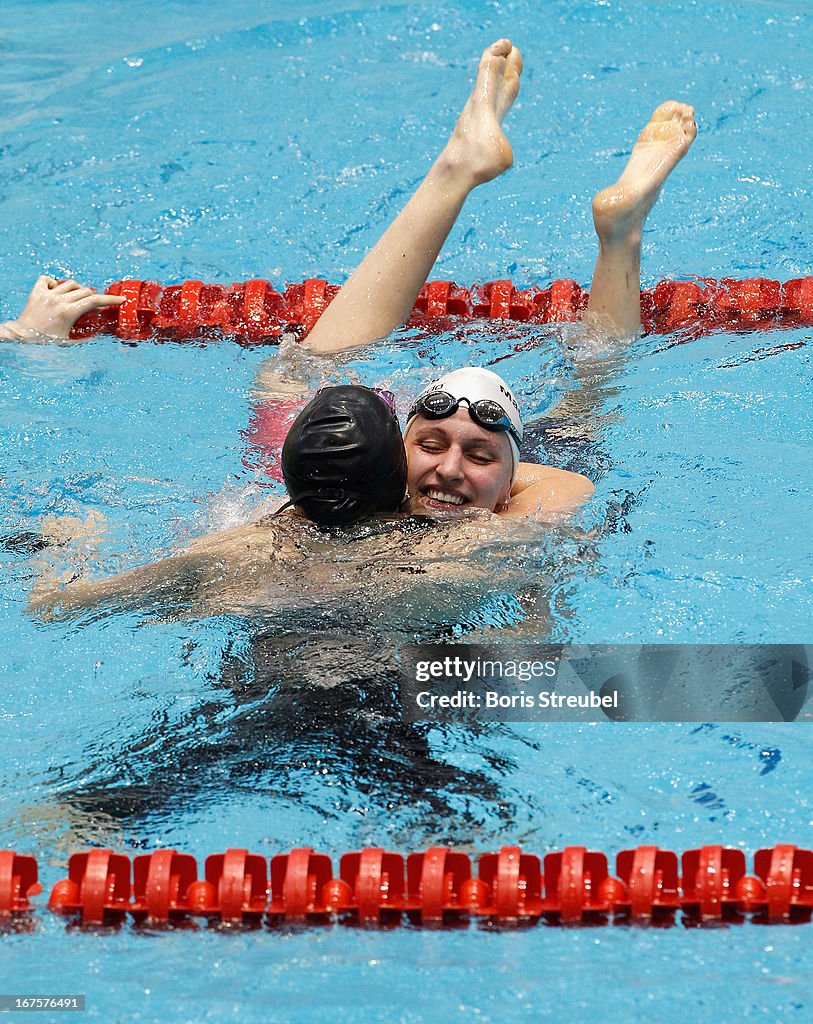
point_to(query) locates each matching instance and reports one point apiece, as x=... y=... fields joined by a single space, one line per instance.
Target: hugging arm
x=170 y=584
x=547 y=493
x=278 y=562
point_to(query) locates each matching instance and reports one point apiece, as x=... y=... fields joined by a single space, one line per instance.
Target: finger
x=44 y=282
x=65 y=286
x=77 y=294
x=94 y=301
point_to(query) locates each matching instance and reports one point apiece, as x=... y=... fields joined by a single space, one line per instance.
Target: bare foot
x=478 y=144
x=619 y=211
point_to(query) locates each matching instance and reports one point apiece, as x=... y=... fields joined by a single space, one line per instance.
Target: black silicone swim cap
x=343 y=459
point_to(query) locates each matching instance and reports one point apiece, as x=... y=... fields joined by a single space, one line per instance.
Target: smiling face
x=454 y=464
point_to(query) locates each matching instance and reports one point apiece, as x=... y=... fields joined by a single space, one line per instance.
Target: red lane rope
x=255 y=313
x=377 y=887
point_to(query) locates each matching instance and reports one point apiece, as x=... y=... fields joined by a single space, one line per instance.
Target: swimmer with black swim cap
x=343 y=459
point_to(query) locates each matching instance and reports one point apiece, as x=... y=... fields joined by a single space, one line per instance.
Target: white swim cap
x=475 y=384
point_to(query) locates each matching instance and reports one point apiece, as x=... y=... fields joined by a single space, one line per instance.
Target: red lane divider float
x=97 y=887
x=18 y=882
x=255 y=313
x=161 y=885
x=375 y=887
x=650 y=876
x=440 y=887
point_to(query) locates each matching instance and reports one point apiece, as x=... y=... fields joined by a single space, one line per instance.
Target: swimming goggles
x=490 y=415
x=386 y=396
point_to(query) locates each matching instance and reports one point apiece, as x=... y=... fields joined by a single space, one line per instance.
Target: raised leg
x=619 y=213
x=381 y=292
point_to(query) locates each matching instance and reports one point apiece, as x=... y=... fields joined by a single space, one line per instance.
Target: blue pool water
x=231 y=141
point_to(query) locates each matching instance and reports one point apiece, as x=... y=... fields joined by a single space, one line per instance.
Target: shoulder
x=539 y=490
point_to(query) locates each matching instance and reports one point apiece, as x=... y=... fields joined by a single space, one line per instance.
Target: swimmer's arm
x=62 y=589
x=543 y=491
x=171 y=582
x=51 y=311
x=9 y=331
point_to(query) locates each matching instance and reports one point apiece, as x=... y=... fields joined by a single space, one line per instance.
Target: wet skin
x=455 y=465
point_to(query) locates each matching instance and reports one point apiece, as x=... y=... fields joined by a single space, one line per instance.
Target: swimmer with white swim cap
x=462 y=438
x=491 y=404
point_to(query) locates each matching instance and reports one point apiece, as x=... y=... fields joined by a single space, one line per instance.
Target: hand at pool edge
x=52 y=309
